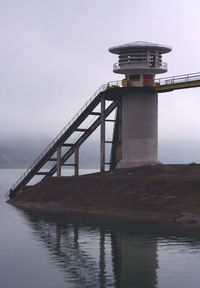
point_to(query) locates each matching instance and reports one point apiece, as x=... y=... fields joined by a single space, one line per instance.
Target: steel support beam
x=58 y=161
x=76 y=156
x=119 y=149
x=116 y=150
x=102 y=136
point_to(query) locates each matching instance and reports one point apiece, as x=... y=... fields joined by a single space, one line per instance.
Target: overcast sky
x=54 y=55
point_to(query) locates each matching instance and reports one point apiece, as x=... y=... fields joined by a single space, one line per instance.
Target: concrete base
x=130 y=164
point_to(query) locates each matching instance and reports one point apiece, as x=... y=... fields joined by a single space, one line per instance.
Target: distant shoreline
x=161 y=192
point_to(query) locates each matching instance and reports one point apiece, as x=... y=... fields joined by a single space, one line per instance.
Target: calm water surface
x=54 y=250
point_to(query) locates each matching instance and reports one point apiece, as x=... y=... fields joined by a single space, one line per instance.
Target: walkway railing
x=178 y=79
x=101 y=89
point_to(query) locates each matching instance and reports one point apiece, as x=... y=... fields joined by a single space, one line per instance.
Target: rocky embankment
x=170 y=192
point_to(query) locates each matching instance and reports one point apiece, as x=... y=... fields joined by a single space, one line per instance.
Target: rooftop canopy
x=139 y=45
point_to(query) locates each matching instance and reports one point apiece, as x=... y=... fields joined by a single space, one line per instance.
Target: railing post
x=102 y=140
x=58 y=161
x=76 y=167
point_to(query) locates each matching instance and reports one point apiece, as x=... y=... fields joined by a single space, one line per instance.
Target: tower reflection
x=134 y=260
x=95 y=255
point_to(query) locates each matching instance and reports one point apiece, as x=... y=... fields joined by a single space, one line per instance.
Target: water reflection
x=106 y=252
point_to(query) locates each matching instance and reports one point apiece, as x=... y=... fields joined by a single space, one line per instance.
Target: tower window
x=135 y=77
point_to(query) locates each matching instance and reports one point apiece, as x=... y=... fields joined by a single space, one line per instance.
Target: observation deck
x=140 y=57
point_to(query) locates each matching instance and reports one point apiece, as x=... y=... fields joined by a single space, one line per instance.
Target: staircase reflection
x=95 y=256
x=63 y=244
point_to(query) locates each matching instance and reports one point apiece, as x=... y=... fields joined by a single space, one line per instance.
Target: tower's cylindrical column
x=139 y=128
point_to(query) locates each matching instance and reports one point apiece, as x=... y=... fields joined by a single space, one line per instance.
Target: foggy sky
x=54 y=56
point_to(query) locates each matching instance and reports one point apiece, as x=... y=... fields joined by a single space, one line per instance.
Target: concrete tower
x=139 y=61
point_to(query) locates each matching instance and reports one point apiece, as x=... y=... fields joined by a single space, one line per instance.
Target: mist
x=54 y=56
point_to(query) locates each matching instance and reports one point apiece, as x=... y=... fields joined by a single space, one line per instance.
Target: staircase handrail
x=100 y=89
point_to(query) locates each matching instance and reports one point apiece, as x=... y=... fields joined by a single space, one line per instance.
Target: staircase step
x=110 y=120
x=41 y=173
x=82 y=130
x=95 y=113
x=68 y=144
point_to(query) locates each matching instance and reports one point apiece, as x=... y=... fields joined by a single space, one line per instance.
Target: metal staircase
x=53 y=152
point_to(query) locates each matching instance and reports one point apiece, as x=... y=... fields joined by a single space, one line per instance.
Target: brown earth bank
x=170 y=192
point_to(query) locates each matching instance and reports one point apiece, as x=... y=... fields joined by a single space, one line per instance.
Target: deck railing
x=140 y=65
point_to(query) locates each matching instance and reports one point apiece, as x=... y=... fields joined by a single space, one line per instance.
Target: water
x=77 y=250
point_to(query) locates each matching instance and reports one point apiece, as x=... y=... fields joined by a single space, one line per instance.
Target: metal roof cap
x=139 y=45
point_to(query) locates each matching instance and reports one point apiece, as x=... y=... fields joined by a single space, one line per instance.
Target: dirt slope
x=161 y=191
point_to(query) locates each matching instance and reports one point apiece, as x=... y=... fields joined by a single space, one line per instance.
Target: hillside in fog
x=21 y=152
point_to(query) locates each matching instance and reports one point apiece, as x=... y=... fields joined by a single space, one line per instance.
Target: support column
x=76 y=167
x=119 y=150
x=102 y=141
x=58 y=161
